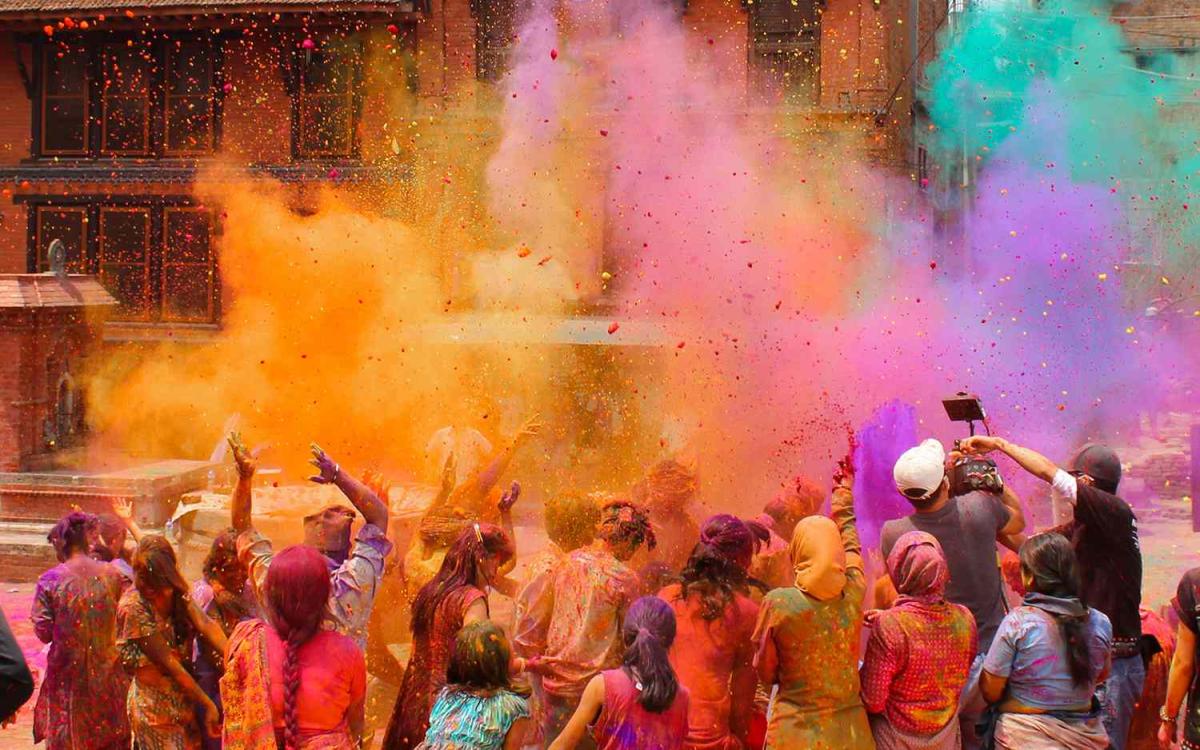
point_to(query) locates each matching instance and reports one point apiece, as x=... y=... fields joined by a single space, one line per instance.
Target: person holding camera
x=1103 y=531
x=967 y=527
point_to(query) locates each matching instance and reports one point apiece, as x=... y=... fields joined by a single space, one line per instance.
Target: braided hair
x=297 y=590
x=647 y=633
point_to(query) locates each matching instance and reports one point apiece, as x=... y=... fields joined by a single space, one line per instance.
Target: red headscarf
x=918 y=568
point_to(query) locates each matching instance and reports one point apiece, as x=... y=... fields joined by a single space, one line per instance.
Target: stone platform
x=30 y=503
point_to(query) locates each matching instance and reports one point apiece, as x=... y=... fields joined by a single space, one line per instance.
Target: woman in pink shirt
x=713 y=652
x=287 y=683
x=641 y=705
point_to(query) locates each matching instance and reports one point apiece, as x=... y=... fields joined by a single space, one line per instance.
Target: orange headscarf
x=818 y=558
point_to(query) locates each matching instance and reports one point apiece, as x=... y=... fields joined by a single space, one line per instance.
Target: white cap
x=919 y=471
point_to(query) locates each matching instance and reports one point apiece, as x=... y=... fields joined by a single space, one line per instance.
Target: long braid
x=291 y=686
x=297 y=590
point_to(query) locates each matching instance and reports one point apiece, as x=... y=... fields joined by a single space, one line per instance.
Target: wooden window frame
x=40 y=262
x=155 y=79
x=354 y=100
x=165 y=263
x=95 y=102
x=157 y=206
x=171 y=45
x=145 y=264
x=48 y=49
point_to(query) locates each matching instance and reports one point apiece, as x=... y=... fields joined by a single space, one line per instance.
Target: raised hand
x=509 y=498
x=979 y=444
x=843 y=476
x=327 y=468
x=122 y=509
x=529 y=428
x=243 y=459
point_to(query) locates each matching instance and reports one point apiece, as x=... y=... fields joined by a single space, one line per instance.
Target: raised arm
x=472 y=493
x=1028 y=459
x=241 y=504
x=123 y=509
x=373 y=509
x=841 y=508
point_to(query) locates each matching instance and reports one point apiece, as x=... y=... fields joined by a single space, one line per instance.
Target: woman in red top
x=288 y=683
x=919 y=653
x=640 y=706
x=713 y=654
x=456 y=596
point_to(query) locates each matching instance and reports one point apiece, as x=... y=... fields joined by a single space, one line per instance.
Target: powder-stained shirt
x=354 y=582
x=917 y=661
x=1187 y=605
x=966 y=527
x=1030 y=651
x=577 y=619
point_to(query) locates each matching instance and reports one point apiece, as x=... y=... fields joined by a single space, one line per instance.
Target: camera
x=971 y=473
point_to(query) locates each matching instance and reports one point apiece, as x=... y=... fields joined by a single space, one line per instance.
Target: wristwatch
x=1164 y=717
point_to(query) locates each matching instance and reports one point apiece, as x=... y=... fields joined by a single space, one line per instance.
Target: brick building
x=110 y=111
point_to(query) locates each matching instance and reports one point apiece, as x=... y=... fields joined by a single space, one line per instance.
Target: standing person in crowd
x=112 y=532
x=1181 y=683
x=1048 y=657
x=1158 y=641
x=289 y=684
x=919 y=653
x=82 y=698
x=640 y=705
x=572 y=630
x=667 y=493
x=222 y=595
x=479 y=709
x=355 y=570
x=967 y=528
x=713 y=654
x=801 y=497
x=808 y=634
x=570 y=521
x=1103 y=531
x=457 y=596
x=156 y=621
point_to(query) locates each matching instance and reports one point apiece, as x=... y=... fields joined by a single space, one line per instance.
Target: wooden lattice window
x=188 y=268
x=65 y=100
x=66 y=223
x=189 y=98
x=125 y=100
x=124 y=258
x=326 y=99
x=785 y=49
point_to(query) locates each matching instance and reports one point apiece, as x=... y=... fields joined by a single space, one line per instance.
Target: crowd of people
x=636 y=627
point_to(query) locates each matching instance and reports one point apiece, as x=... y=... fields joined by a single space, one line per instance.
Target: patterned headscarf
x=918 y=568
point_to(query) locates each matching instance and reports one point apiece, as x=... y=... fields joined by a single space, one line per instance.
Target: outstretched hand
x=979 y=444
x=510 y=497
x=327 y=468
x=245 y=461
x=843 y=476
x=531 y=427
x=122 y=509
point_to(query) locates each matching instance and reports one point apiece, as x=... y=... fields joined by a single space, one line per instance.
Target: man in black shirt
x=1103 y=530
